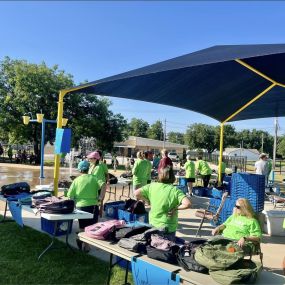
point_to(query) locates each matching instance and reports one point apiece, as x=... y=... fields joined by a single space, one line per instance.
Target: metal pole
x=221 y=152
x=42 y=149
x=164 y=133
x=275 y=143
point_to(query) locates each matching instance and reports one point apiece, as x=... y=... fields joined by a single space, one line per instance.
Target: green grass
x=20 y=248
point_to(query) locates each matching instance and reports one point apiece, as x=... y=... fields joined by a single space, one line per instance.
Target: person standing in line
x=10 y=153
x=165 y=160
x=156 y=161
x=261 y=166
x=148 y=174
x=140 y=171
x=85 y=191
x=189 y=167
x=203 y=168
x=98 y=171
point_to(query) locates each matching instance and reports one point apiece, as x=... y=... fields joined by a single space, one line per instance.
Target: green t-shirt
x=98 y=171
x=203 y=167
x=241 y=226
x=140 y=172
x=163 y=198
x=149 y=169
x=105 y=167
x=189 y=169
x=84 y=190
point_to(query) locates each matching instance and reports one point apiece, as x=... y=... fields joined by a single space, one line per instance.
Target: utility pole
x=275 y=142
x=164 y=133
x=262 y=138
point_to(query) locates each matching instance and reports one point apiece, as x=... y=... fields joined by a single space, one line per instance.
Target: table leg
x=67 y=235
x=126 y=273
x=52 y=241
x=110 y=268
x=4 y=215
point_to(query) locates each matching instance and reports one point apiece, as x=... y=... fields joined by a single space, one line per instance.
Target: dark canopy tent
x=227 y=83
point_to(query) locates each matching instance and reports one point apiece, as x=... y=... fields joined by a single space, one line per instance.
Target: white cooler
x=274 y=222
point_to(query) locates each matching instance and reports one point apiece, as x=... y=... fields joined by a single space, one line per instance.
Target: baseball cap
x=83 y=165
x=94 y=154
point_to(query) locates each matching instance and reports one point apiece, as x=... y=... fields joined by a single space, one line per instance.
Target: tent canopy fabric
x=210 y=82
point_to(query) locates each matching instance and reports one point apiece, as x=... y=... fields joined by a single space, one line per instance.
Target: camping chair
x=212 y=212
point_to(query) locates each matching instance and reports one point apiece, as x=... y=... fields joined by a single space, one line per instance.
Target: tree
x=155 y=131
x=26 y=87
x=138 y=128
x=229 y=137
x=201 y=136
x=176 y=137
x=281 y=146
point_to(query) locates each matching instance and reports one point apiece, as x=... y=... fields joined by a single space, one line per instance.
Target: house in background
x=134 y=144
x=250 y=154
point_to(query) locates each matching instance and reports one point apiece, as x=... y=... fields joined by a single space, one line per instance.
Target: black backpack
x=15 y=188
x=135 y=207
x=113 y=179
x=186 y=256
x=130 y=231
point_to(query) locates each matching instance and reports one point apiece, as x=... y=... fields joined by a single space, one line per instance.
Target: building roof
x=253 y=150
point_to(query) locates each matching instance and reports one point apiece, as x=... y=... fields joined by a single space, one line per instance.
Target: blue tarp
x=208 y=81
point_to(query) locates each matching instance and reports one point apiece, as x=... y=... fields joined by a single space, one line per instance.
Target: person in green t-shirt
x=241 y=225
x=223 y=173
x=140 y=171
x=204 y=170
x=85 y=191
x=189 y=167
x=165 y=200
x=147 y=157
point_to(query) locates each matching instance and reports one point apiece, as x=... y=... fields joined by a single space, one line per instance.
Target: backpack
x=135 y=207
x=104 y=230
x=54 y=205
x=243 y=271
x=113 y=179
x=127 y=232
x=15 y=188
x=214 y=254
x=132 y=244
x=186 y=256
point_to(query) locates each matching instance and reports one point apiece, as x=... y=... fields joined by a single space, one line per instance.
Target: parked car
x=173 y=156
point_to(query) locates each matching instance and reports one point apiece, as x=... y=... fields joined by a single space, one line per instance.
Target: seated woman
x=165 y=200
x=241 y=225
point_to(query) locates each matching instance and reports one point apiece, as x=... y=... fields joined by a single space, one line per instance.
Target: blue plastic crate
x=111 y=208
x=123 y=263
x=216 y=193
x=184 y=189
x=182 y=182
x=62 y=227
x=198 y=191
x=129 y=217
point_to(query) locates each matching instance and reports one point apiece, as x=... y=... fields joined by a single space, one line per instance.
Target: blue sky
x=92 y=40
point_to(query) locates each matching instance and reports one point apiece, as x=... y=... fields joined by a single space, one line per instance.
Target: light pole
x=40 y=119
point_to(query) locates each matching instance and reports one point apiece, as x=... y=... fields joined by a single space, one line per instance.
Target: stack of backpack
x=135 y=207
x=53 y=205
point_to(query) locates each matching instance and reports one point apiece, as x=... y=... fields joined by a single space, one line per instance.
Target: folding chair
x=212 y=212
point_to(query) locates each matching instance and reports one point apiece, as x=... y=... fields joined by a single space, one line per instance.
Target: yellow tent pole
x=57 y=156
x=62 y=93
x=250 y=102
x=221 y=152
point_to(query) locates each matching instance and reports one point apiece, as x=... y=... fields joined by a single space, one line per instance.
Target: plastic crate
x=198 y=191
x=62 y=227
x=216 y=193
x=129 y=217
x=184 y=189
x=182 y=182
x=251 y=187
x=111 y=208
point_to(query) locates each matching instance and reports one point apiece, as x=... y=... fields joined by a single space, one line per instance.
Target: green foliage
x=20 y=248
x=26 y=87
x=138 y=128
x=155 y=131
x=281 y=147
x=176 y=137
x=201 y=136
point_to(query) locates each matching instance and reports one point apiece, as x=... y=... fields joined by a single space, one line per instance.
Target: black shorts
x=190 y=179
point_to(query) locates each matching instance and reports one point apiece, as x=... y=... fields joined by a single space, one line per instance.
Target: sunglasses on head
x=237 y=206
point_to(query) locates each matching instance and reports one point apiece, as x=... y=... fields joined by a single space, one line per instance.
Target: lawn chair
x=212 y=212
